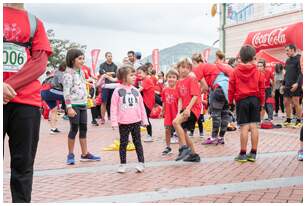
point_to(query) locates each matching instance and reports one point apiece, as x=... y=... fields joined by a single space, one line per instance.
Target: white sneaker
x=148 y=139
x=51 y=132
x=174 y=140
x=121 y=168
x=140 y=167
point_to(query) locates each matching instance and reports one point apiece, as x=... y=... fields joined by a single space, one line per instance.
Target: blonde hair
x=172 y=72
x=220 y=54
x=197 y=57
x=184 y=62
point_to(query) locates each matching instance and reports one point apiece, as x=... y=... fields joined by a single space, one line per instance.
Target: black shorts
x=190 y=122
x=80 y=117
x=248 y=111
x=296 y=93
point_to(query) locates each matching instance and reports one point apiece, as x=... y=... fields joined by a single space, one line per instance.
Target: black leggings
x=149 y=127
x=94 y=113
x=279 y=101
x=125 y=130
x=200 y=124
x=301 y=135
x=79 y=121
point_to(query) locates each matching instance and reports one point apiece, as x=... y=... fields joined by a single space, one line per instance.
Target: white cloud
x=122 y=27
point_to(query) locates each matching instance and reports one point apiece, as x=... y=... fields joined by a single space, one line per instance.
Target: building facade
x=239 y=20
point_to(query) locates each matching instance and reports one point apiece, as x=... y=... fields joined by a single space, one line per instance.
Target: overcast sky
x=122 y=27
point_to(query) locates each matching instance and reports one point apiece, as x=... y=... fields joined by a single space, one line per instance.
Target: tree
x=60 y=48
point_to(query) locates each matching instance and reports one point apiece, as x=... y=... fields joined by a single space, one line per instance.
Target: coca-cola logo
x=276 y=37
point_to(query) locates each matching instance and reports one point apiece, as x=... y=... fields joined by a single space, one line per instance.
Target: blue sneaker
x=89 y=157
x=70 y=159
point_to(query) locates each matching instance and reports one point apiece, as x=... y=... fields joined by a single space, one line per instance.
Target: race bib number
x=14 y=57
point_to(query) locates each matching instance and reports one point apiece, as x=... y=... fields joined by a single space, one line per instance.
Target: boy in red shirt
x=170 y=100
x=189 y=106
x=269 y=84
x=246 y=87
x=148 y=93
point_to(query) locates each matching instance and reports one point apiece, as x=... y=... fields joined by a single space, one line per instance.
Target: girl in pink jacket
x=128 y=112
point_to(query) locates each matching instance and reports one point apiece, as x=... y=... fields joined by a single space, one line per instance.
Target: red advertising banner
x=277 y=37
x=155 y=59
x=94 y=59
x=205 y=54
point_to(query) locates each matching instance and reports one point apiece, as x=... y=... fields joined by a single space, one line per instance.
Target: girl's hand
x=71 y=112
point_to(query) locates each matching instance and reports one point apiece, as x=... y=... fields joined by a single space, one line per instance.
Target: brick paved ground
x=277 y=171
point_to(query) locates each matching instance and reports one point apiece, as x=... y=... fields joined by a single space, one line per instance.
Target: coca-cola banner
x=277 y=37
x=94 y=59
x=155 y=59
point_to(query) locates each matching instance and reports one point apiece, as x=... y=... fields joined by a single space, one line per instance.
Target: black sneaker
x=167 y=151
x=95 y=123
x=183 y=152
x=192 y=158
x=241 y=158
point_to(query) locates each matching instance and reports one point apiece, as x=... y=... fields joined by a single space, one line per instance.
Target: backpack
x=33 y=27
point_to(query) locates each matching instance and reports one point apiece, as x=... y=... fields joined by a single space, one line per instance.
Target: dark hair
x=247 y=53
x=72 y=54
x=172 y=72
x=48 y=73
x=291 y=46
x=106 y=53
x=144 y=68
x=231 y=61
x=262 y=61
x=278 y=68
x=153 y=71
x=62 y=67
x=131 y=52
x=149 y=64
x=123 y=71
x=162 y=73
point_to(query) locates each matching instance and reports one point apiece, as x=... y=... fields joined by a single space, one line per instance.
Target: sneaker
x=190 y=134
x=70 y=159
x=209 y=140
x=94 y=123
x=173 y=140
x=300 y=155
x=287 y=124
x=121 y=168
x=201 y=135
x=167 y=151
x=102 y=121
x=241 y=158
x=183 y=152
x=140 y=167
x=89 y=157
x=298 y=125
x=148 y=139
x=220 y=140
x=65 y=117
x=52 y=132
x=192 y=158
x=276 y=115
x=251 y=157
x=55 y=130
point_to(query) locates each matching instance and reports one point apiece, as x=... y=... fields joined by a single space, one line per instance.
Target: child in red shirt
x=170 y=101
x=189 y=106
x=246 y=87
x=147 y=90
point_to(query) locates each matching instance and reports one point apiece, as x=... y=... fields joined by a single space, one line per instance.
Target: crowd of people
x=242 y=89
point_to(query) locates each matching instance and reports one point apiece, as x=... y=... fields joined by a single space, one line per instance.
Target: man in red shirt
x=269 y=92
x=246 y=87
x=25 y=59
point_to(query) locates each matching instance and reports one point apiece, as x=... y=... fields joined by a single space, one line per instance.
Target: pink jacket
x=127 y=106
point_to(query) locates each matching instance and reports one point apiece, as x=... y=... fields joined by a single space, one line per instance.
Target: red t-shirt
x=187 y=88
x=207 y=71
x=148 y=92
x=86 y=71
x=268 y=78
x=16 y=28
x=170 y=102
x=154 y=79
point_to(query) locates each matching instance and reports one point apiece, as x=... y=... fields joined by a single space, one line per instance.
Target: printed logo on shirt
x=129 y=98
x=183 y=90
x=170 y=99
